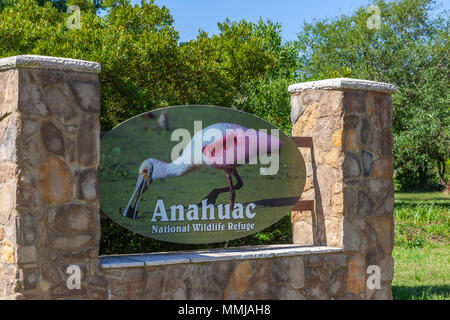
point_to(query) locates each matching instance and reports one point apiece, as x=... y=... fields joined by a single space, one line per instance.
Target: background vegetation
x=421 y=247
x=247 y=66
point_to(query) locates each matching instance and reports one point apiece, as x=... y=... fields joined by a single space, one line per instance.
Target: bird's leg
x=239 y=183
x=212 y=196
x=232 y=193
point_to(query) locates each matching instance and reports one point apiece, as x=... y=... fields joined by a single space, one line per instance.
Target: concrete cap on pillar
x=34 y=61
x=342 y=83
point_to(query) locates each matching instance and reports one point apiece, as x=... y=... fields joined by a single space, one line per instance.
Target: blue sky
x=190 y=15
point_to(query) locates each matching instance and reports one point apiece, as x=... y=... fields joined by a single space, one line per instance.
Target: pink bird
x=222 y=146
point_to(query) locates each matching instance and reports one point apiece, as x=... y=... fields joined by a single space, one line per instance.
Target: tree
x=143 y=64
x=136 y=45
x=5 y=3
x=245 y=67
x=217 y=67
x=411 y=50
x=267 y=96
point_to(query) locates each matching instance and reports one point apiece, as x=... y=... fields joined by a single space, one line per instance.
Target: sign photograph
x=198 y=174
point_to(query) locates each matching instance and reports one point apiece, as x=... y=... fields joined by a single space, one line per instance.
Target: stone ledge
x=239 y=253
x=34 y=61
x=342 y=83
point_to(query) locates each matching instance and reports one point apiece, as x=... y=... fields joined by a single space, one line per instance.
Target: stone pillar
x=49 y=152
x=349 y=174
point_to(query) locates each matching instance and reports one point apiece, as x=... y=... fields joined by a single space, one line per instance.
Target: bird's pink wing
x=239 y=146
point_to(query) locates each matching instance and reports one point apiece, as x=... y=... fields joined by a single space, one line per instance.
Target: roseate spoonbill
x=228 y=146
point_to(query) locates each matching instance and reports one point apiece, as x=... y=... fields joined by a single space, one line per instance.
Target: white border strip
x=240 y=253
x=343 y=83
x=34 y=61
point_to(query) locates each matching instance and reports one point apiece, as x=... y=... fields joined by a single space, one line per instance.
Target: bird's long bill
x=136 y=194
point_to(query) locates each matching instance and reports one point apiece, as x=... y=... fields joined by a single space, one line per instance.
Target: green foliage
x=143 y=64
x=421 y=220
x=246 y=66
x=144 y=67
x=421 y=249
x=217 y=67
x=411 y=50
x=267 y=96
x=6 y=3
x=58 y=4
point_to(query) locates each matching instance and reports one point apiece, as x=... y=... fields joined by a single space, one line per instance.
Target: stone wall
x=49 y=142
x=349 y=173
x=270 y=272
x=49 y=206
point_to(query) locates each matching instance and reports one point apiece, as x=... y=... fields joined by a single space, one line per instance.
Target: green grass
x=421 y=248
x=422 y=197
x=421 y=273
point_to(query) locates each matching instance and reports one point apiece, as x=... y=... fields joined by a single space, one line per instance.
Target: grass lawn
x=421 y=250
x=421 y=273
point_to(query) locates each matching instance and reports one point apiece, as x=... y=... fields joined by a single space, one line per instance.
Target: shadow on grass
x=421 y=292
x=400 y=204
x=422 y=198
x=436 y=200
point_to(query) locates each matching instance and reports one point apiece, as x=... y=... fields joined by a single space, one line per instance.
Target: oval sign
x=198 y=174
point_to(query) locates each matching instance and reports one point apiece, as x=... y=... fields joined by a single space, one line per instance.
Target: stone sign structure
x=49 y=205
x=349 y=174
x=49 y=208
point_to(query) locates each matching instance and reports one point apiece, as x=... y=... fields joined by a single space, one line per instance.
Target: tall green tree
x=410 y=49
x=245 y=66
x=143 y=64
x=217 y=67
x=136 y=45
x=5 y=3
